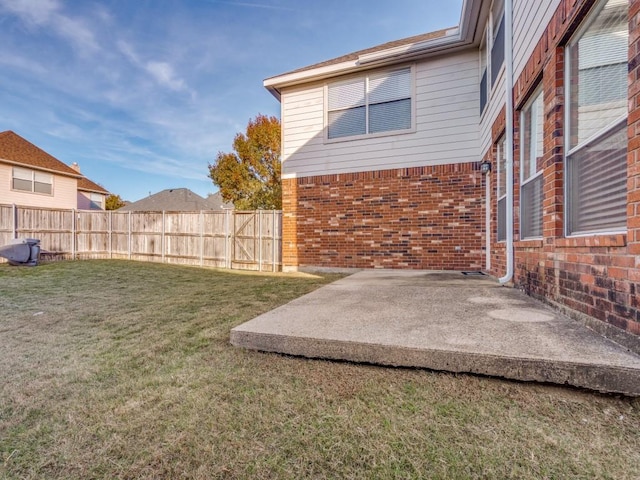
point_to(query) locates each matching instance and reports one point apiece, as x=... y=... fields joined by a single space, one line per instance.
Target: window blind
x=597 y=192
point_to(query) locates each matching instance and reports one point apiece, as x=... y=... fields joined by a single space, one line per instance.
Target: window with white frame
x=531 y=180
x=491 y=52
x=596 y=144
x=371 y=104
x=96 y=201
x=485 y=87
x=497 y=39
x=501 y=163
x=32 y=181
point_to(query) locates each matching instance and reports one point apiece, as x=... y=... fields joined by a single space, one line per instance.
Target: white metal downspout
x=508 y=54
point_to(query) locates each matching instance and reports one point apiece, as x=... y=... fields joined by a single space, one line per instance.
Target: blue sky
x=142 y=94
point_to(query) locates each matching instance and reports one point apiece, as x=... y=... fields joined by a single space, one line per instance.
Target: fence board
x=224 y=239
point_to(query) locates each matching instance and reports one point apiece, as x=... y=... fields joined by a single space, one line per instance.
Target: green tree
x=250 y=176
x=114 y=202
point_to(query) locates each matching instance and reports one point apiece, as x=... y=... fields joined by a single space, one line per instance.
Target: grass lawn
x=115 y=369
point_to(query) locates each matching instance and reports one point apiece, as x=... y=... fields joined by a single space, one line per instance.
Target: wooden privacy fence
x=225 y=239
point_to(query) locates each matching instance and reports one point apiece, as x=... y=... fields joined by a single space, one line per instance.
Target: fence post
x=110 y=234
x=259 y=240
x=14 y=221
x=273 y=242
x=73 y=234
x=162 y=239
x=227 y=239
x=201 y=238
x=129 y=235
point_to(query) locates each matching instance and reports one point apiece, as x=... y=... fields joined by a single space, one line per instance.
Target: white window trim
x=488 y=40
x=367 y=75
x=500 y=195
x=523 y=181
x=502 y=140
x=33 y=182
x=591 y=17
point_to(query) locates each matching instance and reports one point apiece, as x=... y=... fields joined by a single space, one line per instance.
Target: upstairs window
x=497 y=49
x=376 y=103
x=532 y=149
x=32 y=181
x=492 y=49
x=484 y=66
x=596 y=160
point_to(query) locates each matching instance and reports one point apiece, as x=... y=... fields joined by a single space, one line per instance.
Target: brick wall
x=426 y=217
x=596 y=275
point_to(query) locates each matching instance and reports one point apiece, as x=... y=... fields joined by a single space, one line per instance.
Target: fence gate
x=245 y=241
x=256 y=240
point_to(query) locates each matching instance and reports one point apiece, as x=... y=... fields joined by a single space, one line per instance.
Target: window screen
x=372 y=104
x=597 y=90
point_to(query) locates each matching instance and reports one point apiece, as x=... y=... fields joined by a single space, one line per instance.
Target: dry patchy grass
x=112 y=369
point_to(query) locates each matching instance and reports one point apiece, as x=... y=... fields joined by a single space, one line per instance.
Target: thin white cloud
x=255 y=5
x=164 y=75
x=21 y=63
x=47 y=14
x=33 y=12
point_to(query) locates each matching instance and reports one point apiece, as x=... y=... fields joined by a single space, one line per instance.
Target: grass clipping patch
x=114 y=369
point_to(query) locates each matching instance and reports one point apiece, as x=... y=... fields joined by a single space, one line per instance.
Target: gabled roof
x=465 y=35
x=17 y=151
x=86 y=185
x=173 y=199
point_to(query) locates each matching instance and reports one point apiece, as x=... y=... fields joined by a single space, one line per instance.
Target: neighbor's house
x=508 y=144
x=31 y=177
x=177 y=200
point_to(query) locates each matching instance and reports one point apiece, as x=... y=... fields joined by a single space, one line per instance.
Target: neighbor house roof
x=173 y=199
x=17 y=151
x=216 y=202
x=466 y=34
x=86 y=185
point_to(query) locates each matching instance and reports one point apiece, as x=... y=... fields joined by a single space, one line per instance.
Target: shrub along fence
x=226 y=239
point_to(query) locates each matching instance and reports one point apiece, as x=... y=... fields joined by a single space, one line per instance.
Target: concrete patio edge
x=443 y=321
x=604 y=379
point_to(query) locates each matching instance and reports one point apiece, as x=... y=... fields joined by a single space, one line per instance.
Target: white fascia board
x=451 y=37
x=274 y=83
x=28 y=166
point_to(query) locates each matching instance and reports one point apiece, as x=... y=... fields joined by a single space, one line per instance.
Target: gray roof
x=216 y=202
x=173 y=200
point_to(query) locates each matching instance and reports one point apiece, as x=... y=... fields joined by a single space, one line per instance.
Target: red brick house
x=508 y=144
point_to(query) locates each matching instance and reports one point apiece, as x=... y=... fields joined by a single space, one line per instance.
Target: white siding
x=530 y=19
x=447 y=119
x=64 y=192
x=495 y=103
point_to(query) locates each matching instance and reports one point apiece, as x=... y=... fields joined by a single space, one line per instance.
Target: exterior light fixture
x=485 y=167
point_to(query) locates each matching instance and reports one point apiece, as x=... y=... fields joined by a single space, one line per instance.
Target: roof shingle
x=87 y=185
x=17 y=150
x=355 y=55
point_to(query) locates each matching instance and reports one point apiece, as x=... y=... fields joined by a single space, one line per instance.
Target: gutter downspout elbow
x=508 y=54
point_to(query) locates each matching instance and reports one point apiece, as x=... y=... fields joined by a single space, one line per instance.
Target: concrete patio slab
x=443 y=321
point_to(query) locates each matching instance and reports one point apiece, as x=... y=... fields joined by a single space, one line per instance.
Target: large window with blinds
x=32 y=181
x=531 y=153
x=372 y=104
x=596 y=144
